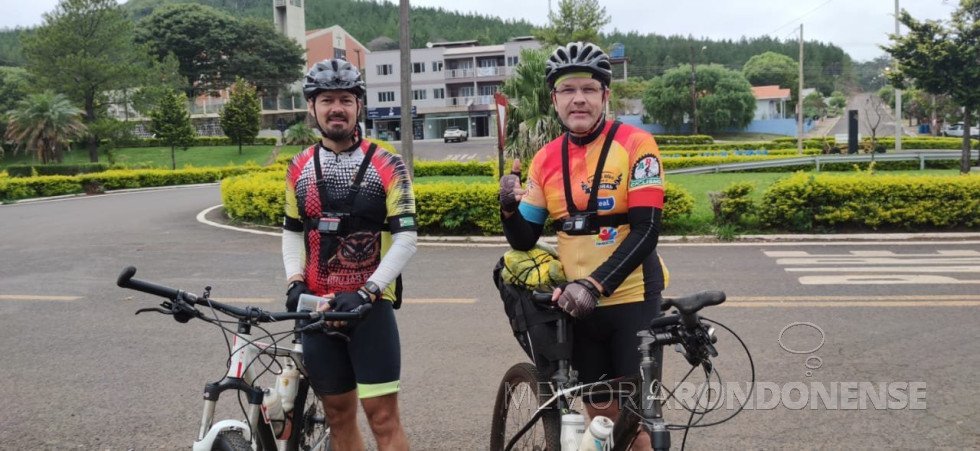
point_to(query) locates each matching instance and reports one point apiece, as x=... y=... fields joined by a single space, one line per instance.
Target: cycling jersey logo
x=646 y=172
x=406 y=222
x=608 y=182
x=607 y=203
x=606 y=236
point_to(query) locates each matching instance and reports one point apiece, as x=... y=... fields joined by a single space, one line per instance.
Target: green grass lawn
x=159 y=157
x=464 y=179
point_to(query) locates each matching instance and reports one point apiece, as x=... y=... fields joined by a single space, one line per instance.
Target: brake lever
x=322 y=327
x=154 y=309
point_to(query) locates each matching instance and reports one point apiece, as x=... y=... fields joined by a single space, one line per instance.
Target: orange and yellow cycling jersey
x=632 y=176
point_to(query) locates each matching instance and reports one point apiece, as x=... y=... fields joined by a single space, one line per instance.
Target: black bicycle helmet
x=333 y=75
x=578 y=57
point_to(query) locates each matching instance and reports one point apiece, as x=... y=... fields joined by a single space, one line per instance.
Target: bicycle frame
x=241 y=377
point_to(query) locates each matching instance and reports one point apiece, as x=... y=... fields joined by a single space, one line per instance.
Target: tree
x=771 y=68
x=14 y=86
x=942 y=59
x=84 y=48
x=171 y=123
x=531 y=121
x=213 y=47
x=622 y=91
x=576 y=20
x=813 y=105
x=301 y=134
x=838 y=102
x=199 y=37
x=266 y=58
x=242 y=114
x=873 y=109
x=43 y=123
x=724 y=98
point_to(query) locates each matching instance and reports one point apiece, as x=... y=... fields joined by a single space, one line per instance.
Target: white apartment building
x=452 y=85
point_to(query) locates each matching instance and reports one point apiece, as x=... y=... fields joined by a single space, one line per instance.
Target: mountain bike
x=286 y=416
x=528 y=407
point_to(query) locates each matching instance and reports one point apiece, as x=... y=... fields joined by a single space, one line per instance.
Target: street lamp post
x=898 y=98
x=694 y=95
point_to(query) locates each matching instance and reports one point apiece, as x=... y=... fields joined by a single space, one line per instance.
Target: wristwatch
x=372 y=289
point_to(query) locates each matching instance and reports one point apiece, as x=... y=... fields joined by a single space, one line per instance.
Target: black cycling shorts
x=371 y=362
x=605 y=342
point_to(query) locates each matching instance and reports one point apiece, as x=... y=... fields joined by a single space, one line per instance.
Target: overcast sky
x=857 y=26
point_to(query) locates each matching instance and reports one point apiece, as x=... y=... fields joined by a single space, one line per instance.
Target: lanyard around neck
x=355 y=186
x=593 y=204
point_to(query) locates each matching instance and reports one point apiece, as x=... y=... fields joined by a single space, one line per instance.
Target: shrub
x=56 y=169
x=805 y=202
x=732 y=203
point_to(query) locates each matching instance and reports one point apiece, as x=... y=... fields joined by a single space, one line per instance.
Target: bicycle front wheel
x=518 y=397
x=230 y=441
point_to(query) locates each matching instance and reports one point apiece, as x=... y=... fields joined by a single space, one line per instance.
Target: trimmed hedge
x=747 y=145
x=663 y=140
x=923 y=143
x=27 y=170
x=12 y=189
x=442 y=208
x=805 y=202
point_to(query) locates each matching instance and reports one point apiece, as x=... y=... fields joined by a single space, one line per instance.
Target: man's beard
x=338 y=134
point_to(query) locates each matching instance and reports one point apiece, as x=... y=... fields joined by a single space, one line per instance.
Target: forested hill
x=825 y=66
x=368 y=20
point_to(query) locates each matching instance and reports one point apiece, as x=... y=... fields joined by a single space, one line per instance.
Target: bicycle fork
x=646 y=403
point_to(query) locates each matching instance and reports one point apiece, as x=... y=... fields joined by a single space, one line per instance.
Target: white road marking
x=31 y=297
x=883 y=279
x=950 y=269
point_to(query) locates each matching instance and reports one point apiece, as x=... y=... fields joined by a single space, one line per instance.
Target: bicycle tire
x=316 y=431
x=230 y=441
x=513 y=408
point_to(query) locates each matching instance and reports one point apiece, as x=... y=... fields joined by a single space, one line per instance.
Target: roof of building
x=312 y=34
x=771 y=92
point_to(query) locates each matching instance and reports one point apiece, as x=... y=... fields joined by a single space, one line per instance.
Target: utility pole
x=898 y=98
x=694 y=96
x=799 y=101
x=407 y=126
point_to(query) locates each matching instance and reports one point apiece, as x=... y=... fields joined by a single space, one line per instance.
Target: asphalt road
x=80 y=371
x=872 y=114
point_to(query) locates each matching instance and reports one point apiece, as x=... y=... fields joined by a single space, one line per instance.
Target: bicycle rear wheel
x=315 y=434
x=518 y=397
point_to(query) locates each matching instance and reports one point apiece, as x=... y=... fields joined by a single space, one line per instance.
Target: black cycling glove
x=348 y=301
x=507 y=197
x=292 y=294
x=578 y=298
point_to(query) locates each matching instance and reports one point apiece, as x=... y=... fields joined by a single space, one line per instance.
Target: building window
x=488 y=90
x=512 y=60
x=385 y=69
x=418 y=94
x=437 y=66
x=488 y=63
x=439 y=93
x=386 y=96
x=340 y=53
x=418 y=68
x=466 y=91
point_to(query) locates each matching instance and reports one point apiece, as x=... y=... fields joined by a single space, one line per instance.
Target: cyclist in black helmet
x=602 y=183
x=343 y=195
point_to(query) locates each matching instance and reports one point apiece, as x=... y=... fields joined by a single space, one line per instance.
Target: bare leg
x=341 y=413
x=382 y=414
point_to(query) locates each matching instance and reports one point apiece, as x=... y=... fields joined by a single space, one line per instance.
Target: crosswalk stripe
x=30 y=297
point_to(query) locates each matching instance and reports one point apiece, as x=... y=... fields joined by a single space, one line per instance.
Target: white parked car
x=957 y=130
x=454 y=134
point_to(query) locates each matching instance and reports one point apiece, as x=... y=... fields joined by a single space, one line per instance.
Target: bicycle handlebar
x=126 y=280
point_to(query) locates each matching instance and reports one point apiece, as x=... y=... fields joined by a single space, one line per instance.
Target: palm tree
x=43 y=123
x=530 y=121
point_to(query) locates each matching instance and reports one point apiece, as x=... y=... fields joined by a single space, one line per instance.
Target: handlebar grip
x=126 y=280
x=664 y=321
x=541 y=297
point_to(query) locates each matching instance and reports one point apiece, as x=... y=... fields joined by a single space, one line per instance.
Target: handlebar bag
x=535 y=327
